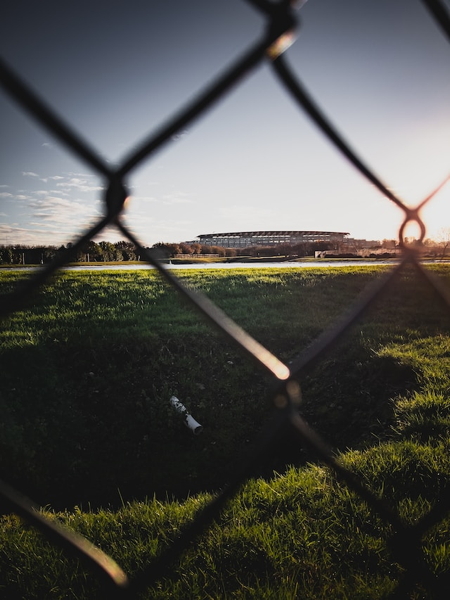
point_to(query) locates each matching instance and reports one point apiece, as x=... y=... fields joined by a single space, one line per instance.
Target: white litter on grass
x=189 y=420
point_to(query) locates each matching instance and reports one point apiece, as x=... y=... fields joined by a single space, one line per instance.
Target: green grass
x=87 y=373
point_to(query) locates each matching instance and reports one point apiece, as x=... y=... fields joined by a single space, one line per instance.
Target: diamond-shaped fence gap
x=210 y=94
x=218 y=318
x=306 y=102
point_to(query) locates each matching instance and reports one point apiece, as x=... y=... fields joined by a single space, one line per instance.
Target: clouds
x=58 y=210
x=78 y=181
x=14 y=196
x=55 y=208
x=12 y=232
x=79 y=184
x=50 y=209
x=176 y=198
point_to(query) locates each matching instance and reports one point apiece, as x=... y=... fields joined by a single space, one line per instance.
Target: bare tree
x=443 y=239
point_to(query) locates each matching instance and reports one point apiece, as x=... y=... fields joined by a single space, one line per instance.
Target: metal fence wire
x=406 y=540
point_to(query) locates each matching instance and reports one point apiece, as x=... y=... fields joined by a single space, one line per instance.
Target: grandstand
x=246 y=239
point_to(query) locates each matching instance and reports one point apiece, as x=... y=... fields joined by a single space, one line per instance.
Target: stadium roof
x=269 y=232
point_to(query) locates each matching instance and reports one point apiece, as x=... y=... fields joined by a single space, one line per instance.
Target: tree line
x=126 y=251
x=90 y=252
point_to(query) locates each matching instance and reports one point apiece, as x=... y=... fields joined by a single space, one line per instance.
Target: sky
x=117 y=70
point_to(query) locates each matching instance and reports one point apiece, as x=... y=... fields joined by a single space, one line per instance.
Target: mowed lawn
x=88 y=431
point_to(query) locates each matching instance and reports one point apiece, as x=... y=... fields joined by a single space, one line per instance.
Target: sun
x=436 y=213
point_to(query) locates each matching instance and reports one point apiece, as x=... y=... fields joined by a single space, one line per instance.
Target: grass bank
x=89 y=369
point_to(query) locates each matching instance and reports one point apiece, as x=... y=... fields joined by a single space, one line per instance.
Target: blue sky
x=117 y=70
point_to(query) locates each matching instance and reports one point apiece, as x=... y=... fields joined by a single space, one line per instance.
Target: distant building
x=245 y=239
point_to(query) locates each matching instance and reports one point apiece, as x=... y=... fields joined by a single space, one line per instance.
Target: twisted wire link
x=437 y=9
x=406 y=540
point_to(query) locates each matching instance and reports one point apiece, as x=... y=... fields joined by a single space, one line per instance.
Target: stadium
x=246 y=239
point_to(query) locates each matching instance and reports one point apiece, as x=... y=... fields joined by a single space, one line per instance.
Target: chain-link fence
x=406 y=541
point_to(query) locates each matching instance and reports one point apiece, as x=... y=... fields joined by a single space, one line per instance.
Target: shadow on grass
x=93 y=426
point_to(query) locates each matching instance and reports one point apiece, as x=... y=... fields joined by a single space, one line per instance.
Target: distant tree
x=217 y=250
x=34 y=255
x=207 y=249
x=90 y=252
x=161 y=250
x=6 y=255
x=284 y=249
x=167 y=250
x=174 y=249
x=268 y=251
x=443 y=239
x=128 y=250
x=186 y=248
x=109 y=251
x=49 y=253
x=299 y=249
x=320 y=246
x=94 y=251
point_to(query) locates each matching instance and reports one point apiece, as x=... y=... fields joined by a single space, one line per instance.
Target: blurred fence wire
x=282 y=22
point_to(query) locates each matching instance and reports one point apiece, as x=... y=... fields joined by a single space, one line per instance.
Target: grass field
x=87 y=429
